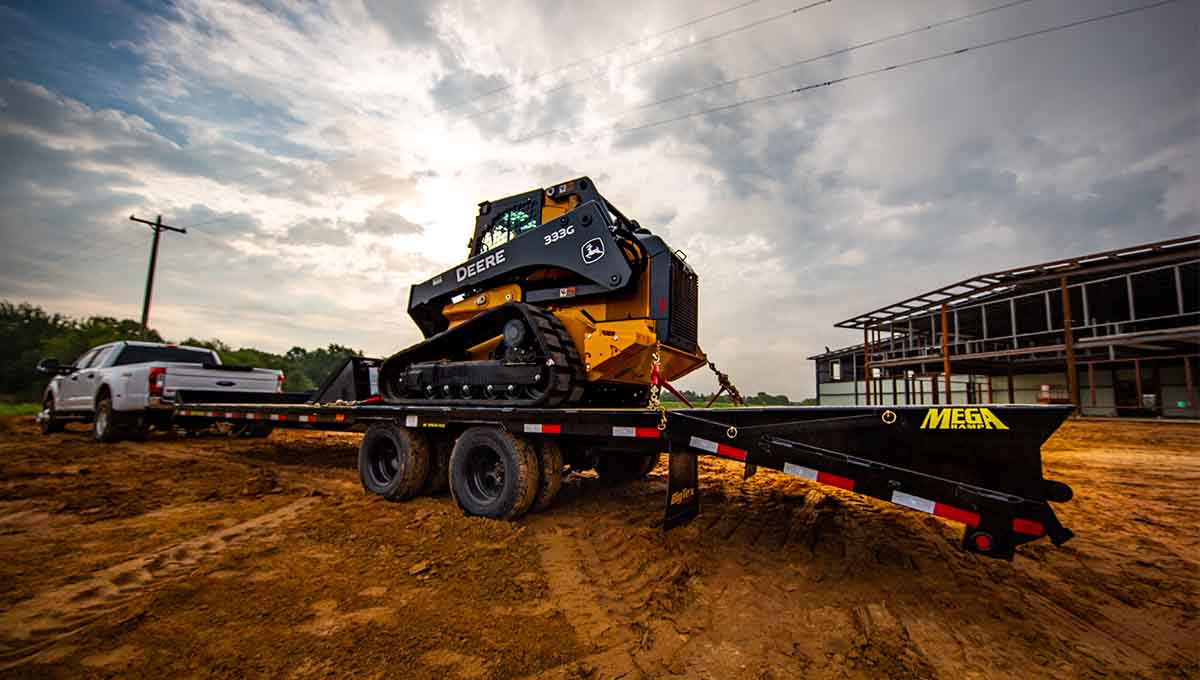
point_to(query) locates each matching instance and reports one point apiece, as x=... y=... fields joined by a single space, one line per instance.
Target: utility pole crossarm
x=159 y=224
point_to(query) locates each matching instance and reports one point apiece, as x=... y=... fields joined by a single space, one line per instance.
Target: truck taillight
x=158 y=379
x=279 y=383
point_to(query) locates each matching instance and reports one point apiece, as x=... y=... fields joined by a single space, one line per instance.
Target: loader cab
x=503 y=220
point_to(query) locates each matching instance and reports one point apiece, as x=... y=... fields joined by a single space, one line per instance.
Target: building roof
x=1045 y=275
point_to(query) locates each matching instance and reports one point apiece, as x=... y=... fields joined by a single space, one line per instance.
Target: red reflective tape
x=282 y=416
x=1028 y=527
x=646 y=432
x=551 y=429
x=339 y=417
x=730 y=452
x=834 y=480
x=957 y=514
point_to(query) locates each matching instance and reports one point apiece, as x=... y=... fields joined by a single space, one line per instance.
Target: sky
x=324 y=156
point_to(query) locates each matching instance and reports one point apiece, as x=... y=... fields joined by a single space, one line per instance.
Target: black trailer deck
x=952 y=461
x=972 y=464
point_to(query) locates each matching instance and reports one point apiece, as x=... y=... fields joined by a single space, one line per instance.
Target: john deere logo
x=592 y=250
x=959 y=418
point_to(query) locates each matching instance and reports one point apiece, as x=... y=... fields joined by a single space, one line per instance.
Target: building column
x=1137 y=381
x=1187 y=381
x=1092 y=384
x=1012 y=392
x=1069 y=340
x=946 y=353
x=867 y=363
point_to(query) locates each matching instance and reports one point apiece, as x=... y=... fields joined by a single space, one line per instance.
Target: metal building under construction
x=1116 y=333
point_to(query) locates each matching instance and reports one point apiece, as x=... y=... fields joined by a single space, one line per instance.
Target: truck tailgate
x=191 y=377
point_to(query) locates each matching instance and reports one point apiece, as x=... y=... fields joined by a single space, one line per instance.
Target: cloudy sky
x=325 y=155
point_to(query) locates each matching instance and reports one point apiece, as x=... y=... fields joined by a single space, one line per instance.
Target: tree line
x=28 y=334
x=760 y=399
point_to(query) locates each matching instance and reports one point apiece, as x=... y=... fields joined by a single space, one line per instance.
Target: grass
x=19 y=409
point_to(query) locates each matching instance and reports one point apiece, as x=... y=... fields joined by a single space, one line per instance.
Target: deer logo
x=592 y=250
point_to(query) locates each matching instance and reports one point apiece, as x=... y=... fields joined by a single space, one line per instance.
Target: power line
x=214 y=220
x=658 y=55
x=884 y=69
x=794 y=64
x=584 y=60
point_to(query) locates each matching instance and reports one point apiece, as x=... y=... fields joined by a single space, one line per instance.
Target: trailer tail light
x=279 y=383
x=157 y=380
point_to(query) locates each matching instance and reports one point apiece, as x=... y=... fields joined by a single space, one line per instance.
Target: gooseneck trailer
x=976 y=465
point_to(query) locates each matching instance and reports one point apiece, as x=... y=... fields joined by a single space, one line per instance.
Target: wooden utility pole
x=158 y=227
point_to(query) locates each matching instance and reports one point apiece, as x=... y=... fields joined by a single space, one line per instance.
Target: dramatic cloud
x=325 y=156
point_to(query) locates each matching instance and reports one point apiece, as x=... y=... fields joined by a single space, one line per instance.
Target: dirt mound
x=263 y=558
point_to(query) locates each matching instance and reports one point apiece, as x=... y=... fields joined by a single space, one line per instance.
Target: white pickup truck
x=125 y=388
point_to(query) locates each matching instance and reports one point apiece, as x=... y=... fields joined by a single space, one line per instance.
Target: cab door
x=71 y=389
x=89 y=377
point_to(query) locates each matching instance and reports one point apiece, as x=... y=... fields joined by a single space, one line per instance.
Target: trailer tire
x=550 y=469
x=619 y=467
x=138 y=431
x=393 y=461
x=252 y=430
x=438 y=481
x=106 y=426
x=493 y=473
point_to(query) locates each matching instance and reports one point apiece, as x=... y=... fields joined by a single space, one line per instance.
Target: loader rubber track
x=556 y=353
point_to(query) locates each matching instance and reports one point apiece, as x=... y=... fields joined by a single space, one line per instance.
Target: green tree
x=23 y=330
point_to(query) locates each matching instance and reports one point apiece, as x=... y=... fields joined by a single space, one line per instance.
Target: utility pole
x=158 y=228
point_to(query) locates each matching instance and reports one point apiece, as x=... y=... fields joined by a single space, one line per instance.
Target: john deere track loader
x=563 y=301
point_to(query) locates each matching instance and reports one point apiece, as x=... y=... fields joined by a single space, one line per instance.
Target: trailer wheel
x=619 y=467
x=393 y=461
x=438 y=480
x=493 y=473
x=252 y=430
x=106 y=426
x=550 y=469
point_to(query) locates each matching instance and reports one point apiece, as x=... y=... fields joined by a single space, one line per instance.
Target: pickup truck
x=125 y=388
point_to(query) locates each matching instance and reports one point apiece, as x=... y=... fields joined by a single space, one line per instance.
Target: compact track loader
x=563 y=301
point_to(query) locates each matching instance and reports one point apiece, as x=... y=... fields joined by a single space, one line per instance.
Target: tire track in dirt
x=618 y=588
x=33 y=625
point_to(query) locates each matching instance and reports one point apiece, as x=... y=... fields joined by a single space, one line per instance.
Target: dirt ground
x=213 y=557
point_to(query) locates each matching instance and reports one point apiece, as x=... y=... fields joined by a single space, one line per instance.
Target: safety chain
x=734 y=396
x=655 y=377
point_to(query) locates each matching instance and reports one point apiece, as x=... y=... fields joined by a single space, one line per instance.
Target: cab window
x=85 y=359
x=508 y=225
x=102 y=356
